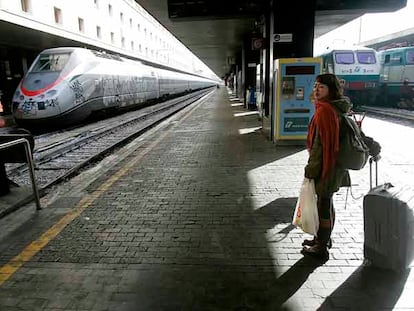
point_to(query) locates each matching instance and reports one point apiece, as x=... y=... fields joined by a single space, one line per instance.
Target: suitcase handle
x=373 y=159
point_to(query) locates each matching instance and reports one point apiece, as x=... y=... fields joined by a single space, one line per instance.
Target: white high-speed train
x=66 y=85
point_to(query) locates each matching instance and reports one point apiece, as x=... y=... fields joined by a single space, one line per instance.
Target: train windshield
x=50 y=62
x=366 y=57
x=410 y=57
x=344 y=57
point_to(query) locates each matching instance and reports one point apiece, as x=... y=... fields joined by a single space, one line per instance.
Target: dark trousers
x=326 y=214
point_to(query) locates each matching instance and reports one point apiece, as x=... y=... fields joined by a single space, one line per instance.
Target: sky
x=367 y=27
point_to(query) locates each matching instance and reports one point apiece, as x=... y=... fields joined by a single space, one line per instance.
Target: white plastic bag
x=306 y=210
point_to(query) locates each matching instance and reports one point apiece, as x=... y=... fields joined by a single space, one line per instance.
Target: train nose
x=43 y=105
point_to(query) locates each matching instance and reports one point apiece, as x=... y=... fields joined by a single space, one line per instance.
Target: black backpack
x=353 y=150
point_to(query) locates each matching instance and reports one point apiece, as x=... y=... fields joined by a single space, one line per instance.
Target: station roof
x=396 y=39
x=214 y=30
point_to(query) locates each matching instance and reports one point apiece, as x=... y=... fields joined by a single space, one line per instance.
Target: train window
x=344 y=58
x=366 y=57
x=396 y=59
x=410 y=57
x=51 y=62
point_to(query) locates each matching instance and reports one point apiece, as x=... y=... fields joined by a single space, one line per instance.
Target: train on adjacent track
x=66 y=85
x=371 y=77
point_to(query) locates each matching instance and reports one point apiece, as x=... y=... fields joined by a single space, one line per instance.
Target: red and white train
x=66 y=85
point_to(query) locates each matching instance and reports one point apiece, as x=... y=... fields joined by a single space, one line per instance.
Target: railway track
x=61 y=155
x=400 y=114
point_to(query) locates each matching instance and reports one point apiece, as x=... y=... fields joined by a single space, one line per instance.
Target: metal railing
x=29 y=159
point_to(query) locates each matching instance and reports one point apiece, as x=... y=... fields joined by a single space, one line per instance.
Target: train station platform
x=194 y=215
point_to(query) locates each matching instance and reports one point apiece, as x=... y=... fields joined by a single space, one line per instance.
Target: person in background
x=323 y=145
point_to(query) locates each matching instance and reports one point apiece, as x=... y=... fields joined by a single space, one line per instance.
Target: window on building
x=98 y=32
x=121 y=17
x=112 y=38
x=25 y=5
x=58 y=15
x=81 y=25
x=123 y=42
x=139 y=27
x=140 y=48
x=130 y=22
x=96 y=3
x=110 y=10
x=132 y=45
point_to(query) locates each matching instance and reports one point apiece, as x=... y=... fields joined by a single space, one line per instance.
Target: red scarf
x=326 y=120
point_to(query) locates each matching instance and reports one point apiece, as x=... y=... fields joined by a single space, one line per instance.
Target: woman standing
x=323 y=140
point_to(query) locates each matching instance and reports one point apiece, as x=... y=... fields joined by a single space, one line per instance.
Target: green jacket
x=337 y=177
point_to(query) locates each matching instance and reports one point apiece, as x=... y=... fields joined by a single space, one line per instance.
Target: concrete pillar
x=295 y=17
x=267 y=64
x=250 y=59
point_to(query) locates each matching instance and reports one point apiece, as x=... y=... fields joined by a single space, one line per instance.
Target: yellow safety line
x=34 y=247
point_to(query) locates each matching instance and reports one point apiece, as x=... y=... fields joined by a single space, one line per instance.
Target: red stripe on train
x=40 y=91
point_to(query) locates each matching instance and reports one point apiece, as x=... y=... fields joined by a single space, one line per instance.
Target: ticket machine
x=292 y=108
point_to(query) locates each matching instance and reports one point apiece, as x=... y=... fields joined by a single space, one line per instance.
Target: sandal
x=313 y=242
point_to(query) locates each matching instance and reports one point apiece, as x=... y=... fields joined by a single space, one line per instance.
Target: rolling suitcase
x=388 y=225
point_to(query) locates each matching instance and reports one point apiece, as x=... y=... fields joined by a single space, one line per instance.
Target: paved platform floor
x=196 y=215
